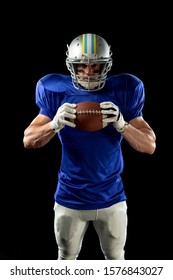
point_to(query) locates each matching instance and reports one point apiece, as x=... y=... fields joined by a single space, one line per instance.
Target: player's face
x=92 y=70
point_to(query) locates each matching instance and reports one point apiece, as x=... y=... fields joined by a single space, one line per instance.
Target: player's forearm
x=142 y=140
x=36 y=136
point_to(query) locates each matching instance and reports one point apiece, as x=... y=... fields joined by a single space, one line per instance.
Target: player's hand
x=112 y=114
x=65 y=116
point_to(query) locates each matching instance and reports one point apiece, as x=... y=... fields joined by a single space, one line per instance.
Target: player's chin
x=89 y=84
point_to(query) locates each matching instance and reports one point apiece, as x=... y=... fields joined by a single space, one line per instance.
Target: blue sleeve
x=134 y=98
x=46 y=99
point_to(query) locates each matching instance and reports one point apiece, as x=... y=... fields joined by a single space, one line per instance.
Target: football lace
x=90 y=112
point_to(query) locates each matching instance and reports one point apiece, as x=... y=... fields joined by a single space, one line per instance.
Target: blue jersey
x=89 y=176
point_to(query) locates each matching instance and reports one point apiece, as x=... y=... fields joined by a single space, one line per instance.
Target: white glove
x=65 y=116
x=112 y=114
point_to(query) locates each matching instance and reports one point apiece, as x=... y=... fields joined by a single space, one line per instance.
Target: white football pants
x=110 y=224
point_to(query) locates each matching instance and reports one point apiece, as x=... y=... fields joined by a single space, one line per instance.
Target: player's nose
x=88 y=70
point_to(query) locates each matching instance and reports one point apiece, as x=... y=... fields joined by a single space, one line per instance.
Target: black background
x=34 y=45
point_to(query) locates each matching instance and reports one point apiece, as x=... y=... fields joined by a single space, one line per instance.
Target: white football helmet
x=89 y=49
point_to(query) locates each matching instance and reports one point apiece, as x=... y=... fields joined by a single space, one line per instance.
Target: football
x=88 y=116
